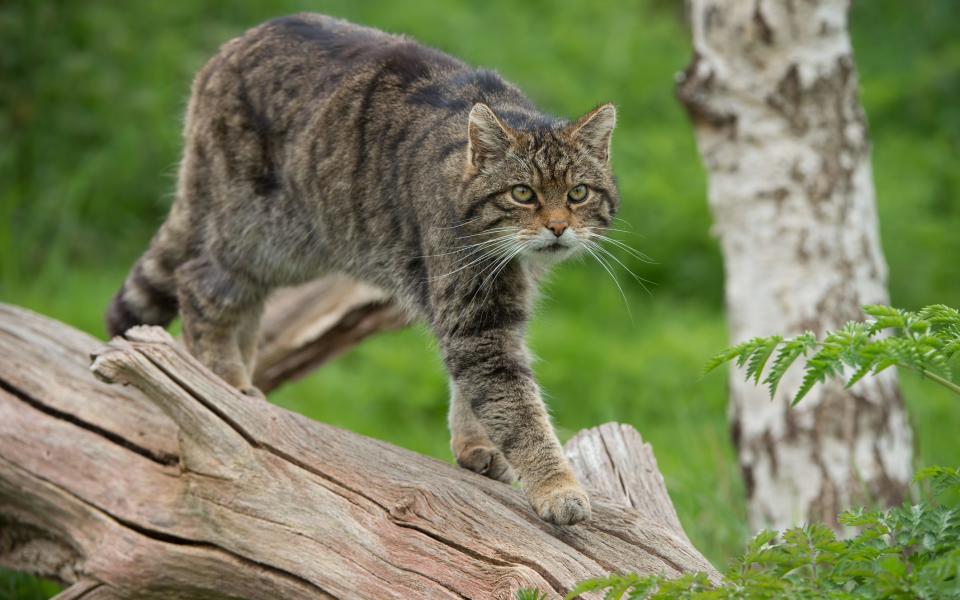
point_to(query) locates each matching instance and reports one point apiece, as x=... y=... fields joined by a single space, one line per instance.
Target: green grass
x=19 y=586
x=93 y=92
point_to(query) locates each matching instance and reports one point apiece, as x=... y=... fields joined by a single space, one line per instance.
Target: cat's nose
x=557 y=227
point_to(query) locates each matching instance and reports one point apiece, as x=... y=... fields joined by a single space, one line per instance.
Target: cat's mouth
x=547 y=244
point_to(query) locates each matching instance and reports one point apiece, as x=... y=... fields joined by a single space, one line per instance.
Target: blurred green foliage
x=18 y=586
x=92 y=95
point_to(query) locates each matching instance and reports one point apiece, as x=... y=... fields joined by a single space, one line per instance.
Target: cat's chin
x=552 y=253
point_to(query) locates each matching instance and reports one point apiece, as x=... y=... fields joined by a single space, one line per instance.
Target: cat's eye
x=577 y=193
x=523 y=194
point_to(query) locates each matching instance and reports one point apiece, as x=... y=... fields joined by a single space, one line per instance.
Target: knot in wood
x=408 y=505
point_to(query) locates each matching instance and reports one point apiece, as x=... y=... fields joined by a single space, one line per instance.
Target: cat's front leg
x=492 y=376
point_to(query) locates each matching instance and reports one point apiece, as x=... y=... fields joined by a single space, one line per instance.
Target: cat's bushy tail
x=149 y=294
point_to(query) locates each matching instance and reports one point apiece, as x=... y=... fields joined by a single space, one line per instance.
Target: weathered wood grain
x=613 y=461
x=177 y=486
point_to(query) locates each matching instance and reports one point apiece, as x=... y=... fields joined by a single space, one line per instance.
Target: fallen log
x=176 y=486
x=307 y=325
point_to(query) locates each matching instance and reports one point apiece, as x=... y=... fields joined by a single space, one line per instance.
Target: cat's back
x=281 y=65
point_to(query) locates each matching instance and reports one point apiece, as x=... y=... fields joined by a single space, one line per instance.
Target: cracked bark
x=772 y=95
x=166 y=483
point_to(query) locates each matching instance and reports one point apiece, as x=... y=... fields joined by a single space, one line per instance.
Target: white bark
x=772 y=93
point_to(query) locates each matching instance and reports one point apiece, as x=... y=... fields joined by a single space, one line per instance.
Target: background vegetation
x=93 y=92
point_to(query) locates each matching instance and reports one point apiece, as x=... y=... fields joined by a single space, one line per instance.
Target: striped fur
x=313 y=146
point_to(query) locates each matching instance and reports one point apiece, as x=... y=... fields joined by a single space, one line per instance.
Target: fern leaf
x=952 y=348
x=617 y=590
x=749 y=347
x=593 y=585
x=822 y=365
x=926 y=341
x=885 y=317
x=761 y=354
x=942 y=479
x=788 y=354
x=729 y=354
x=940 y=314
x=862 y=371
x=880 y=310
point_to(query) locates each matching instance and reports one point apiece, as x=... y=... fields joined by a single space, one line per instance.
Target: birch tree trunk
x=772 y=94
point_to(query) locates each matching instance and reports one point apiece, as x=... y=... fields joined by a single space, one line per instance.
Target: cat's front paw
x=253 y=392
x=487 y=461
x=566 y=504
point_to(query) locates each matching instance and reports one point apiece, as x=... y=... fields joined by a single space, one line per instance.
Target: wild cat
x=313 y=145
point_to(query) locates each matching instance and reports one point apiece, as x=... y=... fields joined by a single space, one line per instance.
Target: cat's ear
x=487 y=136
x=595 y=129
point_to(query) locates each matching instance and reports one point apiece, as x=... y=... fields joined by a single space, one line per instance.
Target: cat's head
x=547 y=192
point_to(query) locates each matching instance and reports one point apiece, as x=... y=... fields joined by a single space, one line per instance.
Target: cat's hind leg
x=248 y=338
x=216 y=305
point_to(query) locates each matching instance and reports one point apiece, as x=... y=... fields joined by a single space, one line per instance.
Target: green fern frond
x=952 y=348
x=618 y=589
x=926 y=341
x=862 y=371
x=850 y=341
x=738 y=352
x=881 y=310
x=788 y=354
x=592 y=585
x=760 y=355
x=825 y=363
x=884 y=317
x=910 y=551
x=941 y=315
x=942 y=479
x=630 y=586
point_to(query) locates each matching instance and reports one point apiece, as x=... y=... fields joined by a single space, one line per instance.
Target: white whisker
x=486 y=232
x=639 y=279
x=487 y=283
x=506 y=253
x=470 y=246
x=627 y=248
x=626 y=231
x=460 y=224
x=488 y=252
x=609 y=271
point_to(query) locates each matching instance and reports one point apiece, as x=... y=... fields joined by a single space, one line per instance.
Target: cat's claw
x=487 y=461
x=566 y=505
